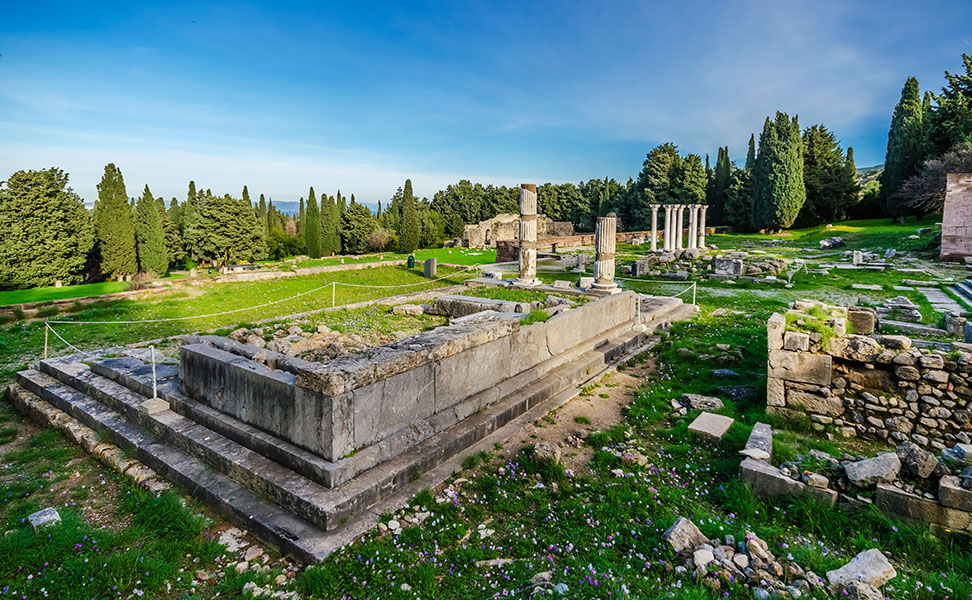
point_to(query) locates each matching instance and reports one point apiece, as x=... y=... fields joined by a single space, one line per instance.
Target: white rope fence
x=333 y=285
x=691 y=288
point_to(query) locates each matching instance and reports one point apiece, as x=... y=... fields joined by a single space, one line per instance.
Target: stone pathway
x=939 y=300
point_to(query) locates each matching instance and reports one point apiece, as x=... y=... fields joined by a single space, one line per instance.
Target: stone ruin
x=859 y=384
x=957 y=217
x=306 y=454
x=505 y=227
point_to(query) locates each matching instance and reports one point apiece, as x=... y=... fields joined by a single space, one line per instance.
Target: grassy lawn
x=454 y=256
x=43 y=294
x=21 y=343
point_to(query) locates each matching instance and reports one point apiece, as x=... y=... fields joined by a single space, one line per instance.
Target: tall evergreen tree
x=190 y=215
x=114 y=225
x=829 y=193
x=46 y=231
x=411 y=228
x=173 y=241
x=313 y=232
x=778 y=189
x=906 y=148
x=951 y=120
x=654 y=184
x=153 y=257
x=226 y=231
x=739 y=195
x=720 y=187
x=357 y=223
x=331 y=224
x=690 y=181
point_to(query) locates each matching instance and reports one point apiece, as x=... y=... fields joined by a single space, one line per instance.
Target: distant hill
x=863 y=170
x=292 y=208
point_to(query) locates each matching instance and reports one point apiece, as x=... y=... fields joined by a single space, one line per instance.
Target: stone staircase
x=963 y=290
x=290 y=498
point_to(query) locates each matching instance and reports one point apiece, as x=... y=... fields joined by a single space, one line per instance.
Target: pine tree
x=778 y=189
x=357 y=223
x=46 y=231
x=411 y=228
x=153 y=257
x=950 y=122
x=173 y=241
x=906 y=143
x=829 y=193
x=114 y=225
x=690 y=181
x=654 y=184
x=313 y=232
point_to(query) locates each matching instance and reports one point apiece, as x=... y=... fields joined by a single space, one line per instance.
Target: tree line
x=930 y=136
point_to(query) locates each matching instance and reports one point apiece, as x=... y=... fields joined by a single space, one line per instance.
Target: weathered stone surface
x=767 y=480
x=699 y=402
x=775 y=327
x=710 y=425
x=961 y=453
x=882 y=468
x=760 y=443
x=858 y=590
x=895 y=342
x=44 y=518
x=870 y=566
x=407 y=309
x=796 y=341
x=906 y=373
x=775 y=392
x=892 y=499
x=815 y=480
x=861 y=320
x=684 y=535
x=153 y=406
x=952 y=495
x=545 y=451
x=915 y=460
x=859 y=348
x=831 y=406
x=702 y=557
x=801 y=367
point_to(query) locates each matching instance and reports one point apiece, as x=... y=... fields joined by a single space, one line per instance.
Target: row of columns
x=675 y=226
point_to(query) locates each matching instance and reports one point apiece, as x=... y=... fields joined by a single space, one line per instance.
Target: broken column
x=528 y=235
x=654 y=227
x=605 y=239
x=705 y=207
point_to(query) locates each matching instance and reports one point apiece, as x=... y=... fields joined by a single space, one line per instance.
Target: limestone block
x=767 y=480
x=760 y=443
x=932 y=361
x=870 y=566
x=775 y=392
x=892 y=499
x=915 y=460
x=952 y=495
x=862 y=320
x=907 y=373
x=801 y=367
x=936 y=376
x=775 y=327
x=407 y=309
x=882 y=468
x=699 y=402
x=44 y=518
x=854 y=347
x=710 y=425
x=684 y=535
x=796 y=341
x=154 y=406
x=831 y=406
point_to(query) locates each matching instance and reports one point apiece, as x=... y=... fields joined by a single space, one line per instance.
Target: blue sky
x=357 y=97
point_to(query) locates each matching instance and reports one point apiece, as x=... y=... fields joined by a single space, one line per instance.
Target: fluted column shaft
x=605 y=242
x=702 y=227
x=528 y=235
x=654 y=227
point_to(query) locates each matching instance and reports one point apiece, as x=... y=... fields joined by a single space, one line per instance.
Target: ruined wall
x=398 y=394
x=872 y=386
x=505 y=227
x=957 y=217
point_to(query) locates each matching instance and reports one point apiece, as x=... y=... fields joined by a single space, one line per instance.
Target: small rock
x=870 y=566
x=393 y=525
x=280 y=579
x=858 y=590
x=242 y=567
x=202 y=575
x=741 y=561
x=47 y=517
x=699 y=402
x=702 y=557
x=882 y=468
x=815 y=480
x=757 y=547
x=684 y=534
x=760 y=594
x=252 y=553
x=916 y=460
x=546 y=451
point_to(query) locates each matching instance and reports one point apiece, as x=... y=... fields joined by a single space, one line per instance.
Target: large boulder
x=883 y=468
x=870 y=566
x=916 y=460
x=684 y=535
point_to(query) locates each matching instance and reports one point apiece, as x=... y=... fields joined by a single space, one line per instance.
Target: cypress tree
x=313 y=231
x=47 y=232
x=114 y=225
x=655 y=182
x=189 y=216
x=906 y=142
x=301 y=219
x=829 y=193
x=739 y=193
x=690 y=181
x=153 y=257
x=173 y=241
x=720 y=187
x=778 y=189
x=331 y=223
x=411 y=226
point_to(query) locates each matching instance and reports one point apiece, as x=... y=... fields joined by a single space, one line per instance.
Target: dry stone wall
x=866 y=385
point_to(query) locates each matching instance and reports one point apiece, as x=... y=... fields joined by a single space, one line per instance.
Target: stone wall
x=957 y=217
x=505 y=227
x=865 y=385
x=397 y=394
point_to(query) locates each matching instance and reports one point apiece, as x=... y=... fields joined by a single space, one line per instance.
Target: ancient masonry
x=957 y=217
x=858 y=384
x=306 y=455
x=528 y=235
x=605 y=244
x=505 y=227
x=674 y=233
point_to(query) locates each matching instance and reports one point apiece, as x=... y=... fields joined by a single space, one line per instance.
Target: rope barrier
x=271 y=303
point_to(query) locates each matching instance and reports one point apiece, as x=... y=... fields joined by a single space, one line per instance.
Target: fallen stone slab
x=953 y=495
x=870 y=566
x=711 y=425
x=684 y=535
x=916 y=460
x=44 y=518
x=867 y=286
x=407 y=309
x=699 y=402
x=760 y=443
x=891 y=499
x=767 y=480
x=882 y=468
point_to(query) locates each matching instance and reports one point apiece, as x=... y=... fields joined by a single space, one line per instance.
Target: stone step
x=224 y=495
x=964 y=291
x=915 y=328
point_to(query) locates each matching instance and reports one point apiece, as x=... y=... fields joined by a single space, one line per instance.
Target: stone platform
x=285 y=494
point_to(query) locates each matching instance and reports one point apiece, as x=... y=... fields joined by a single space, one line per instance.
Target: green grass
x=21 y=343
x=452 y=256
x=43 y=294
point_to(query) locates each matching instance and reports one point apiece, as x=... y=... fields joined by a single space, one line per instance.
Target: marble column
x=679 y=222
x=654 y=227
x=528 y=235
x=605 y=240
x=693 y=225
x=705 y=207
x=668 y=228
